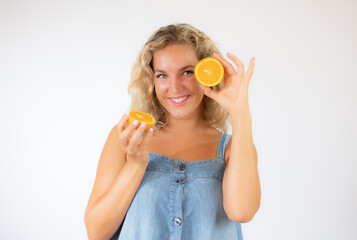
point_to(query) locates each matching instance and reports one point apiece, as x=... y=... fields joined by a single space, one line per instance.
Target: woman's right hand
x=132 y=142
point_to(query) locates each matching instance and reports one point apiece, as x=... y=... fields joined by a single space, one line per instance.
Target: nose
x=176 y=84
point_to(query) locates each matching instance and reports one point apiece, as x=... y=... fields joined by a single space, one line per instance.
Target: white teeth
x=178 y=100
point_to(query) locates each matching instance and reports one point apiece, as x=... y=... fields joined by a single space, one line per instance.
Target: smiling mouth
x=179 y=99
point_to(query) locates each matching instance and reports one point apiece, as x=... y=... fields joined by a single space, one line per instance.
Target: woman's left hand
x=233 y=97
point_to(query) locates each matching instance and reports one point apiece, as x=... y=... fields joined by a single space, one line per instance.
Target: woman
x=184 y=179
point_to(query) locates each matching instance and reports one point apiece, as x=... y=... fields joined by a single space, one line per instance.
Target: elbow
x=91 y=233
x=92 y=236
x=96 y=230
x=241 y=218
x=240 y=215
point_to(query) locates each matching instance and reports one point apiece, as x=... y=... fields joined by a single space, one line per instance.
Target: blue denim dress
x=180 y=200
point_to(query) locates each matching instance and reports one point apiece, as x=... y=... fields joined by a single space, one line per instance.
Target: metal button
x=181 y=180
x=177 y=221
x=181 y=166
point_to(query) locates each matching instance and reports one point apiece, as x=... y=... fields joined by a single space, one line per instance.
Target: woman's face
x=175 y=83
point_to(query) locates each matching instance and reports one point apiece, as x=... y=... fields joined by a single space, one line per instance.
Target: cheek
x=160 y=89
x=194 y=84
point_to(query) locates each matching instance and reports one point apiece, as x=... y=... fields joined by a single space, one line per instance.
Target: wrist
x=136 y=164
x=239 y=114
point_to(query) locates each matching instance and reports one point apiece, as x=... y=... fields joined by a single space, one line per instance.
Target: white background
x=64 y=70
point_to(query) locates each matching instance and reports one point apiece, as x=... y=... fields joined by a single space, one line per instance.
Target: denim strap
x=222 y=145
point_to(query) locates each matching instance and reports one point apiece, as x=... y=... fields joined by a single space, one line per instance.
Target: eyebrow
x=179 y=69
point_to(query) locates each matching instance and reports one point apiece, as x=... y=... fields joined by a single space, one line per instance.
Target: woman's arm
x=241 y=186
x=104 y=216
x=118 y=177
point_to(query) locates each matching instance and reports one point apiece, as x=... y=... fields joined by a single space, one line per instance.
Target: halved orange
x=209 y=72
x=141 y=117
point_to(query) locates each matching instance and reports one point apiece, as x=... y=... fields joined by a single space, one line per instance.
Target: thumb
x=209 y=92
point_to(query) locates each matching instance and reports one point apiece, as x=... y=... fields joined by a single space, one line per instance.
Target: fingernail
x=200 y=86
x=135 y=122
x=127 y=112
x=143 y=125
x=151 y=130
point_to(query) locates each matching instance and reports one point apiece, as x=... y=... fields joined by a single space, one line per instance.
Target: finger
x=124 y=136
x=238 y=63
x=131 y=134
x=250 y=70
x=147 y=138
x=122 y=121
x=137 y=136
x=228 y=68
x=209 y=92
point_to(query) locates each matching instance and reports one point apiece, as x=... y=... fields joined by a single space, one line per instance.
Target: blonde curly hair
x=141 y=85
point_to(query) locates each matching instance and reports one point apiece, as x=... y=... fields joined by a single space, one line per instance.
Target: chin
x=179 y=114
x=182 y=114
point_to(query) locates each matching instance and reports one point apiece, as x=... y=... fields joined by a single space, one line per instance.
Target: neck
x=187 y=126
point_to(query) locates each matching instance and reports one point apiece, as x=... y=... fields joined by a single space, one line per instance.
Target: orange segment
x=209 y=72
x=141 y=117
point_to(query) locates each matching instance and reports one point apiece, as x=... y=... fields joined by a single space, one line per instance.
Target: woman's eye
x=187 y=73
x=161 y=76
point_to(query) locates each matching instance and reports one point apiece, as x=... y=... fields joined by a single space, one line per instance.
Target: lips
x=178 y=101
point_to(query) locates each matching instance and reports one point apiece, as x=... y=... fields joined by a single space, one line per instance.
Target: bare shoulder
x=112 y=154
